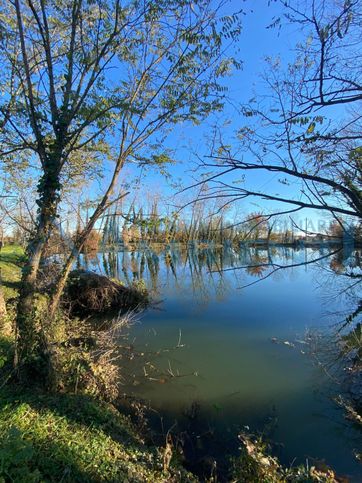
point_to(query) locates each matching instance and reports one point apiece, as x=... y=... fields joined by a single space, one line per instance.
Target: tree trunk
x=81 y=238
x=29 y=347
x=60 y=286
x=32 y=358
x=2 y=300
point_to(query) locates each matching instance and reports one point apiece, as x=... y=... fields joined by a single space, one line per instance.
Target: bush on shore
x=88 y=292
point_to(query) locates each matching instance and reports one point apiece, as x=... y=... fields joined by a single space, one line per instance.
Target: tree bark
x=29 y=346
x=2 y=300
x=32 y=358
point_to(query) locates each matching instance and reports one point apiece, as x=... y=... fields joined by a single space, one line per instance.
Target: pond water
x=232 y=344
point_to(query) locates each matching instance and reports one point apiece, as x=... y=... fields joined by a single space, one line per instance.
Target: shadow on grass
x=64 y=437
x=11 y=284
x=79 y=409
x=15 y=257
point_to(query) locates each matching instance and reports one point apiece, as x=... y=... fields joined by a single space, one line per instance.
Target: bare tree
x=304 y=129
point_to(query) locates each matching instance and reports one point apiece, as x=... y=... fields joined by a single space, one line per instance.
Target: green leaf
x=311 y=128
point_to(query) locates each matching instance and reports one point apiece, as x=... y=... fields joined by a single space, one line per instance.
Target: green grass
x=12 y=254
x=71 y=438
x=11 y=260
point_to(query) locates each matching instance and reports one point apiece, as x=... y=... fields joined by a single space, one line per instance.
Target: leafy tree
x=91 y=81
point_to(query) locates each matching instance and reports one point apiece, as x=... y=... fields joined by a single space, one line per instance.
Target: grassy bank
x=72 y=438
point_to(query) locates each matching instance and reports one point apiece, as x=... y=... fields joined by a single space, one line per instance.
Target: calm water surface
x=231 y=348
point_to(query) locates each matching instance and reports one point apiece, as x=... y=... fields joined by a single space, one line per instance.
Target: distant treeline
x=155 y=223
x=139 y=226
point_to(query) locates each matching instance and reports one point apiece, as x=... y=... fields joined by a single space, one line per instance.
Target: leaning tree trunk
x=74 y=254
x=81 y=238
x=62 y=280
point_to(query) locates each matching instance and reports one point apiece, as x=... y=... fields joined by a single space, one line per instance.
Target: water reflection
x=202 y=269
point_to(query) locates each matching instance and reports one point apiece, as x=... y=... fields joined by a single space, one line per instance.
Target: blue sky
x=256 y=42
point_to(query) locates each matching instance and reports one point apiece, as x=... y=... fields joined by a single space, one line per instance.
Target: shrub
x=89 y=292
